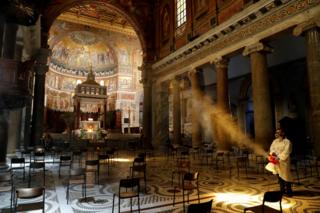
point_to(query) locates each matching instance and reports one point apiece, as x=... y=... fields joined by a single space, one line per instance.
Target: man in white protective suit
x=279 y=161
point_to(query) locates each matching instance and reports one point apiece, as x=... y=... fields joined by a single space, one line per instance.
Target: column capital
x=146 y=75
x=41 y=61
x=42 y=55
x=220 y=62
x=257 y=47
x=307 y=25
x=192 y=72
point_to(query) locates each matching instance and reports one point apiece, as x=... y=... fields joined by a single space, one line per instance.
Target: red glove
x=273 y=159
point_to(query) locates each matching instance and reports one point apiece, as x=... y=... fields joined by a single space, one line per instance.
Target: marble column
x=161 y=113
x=261 y=93
x=221 y=68
x=241 y=113
x=40 y=69
x=77 y=111
x=105 y=114
x=2 y=27
x=197 y=95
x=4 y=128
x=176 y=111
x=14 y=136
x=147 y=104
x=311 y=31
x=9 y=40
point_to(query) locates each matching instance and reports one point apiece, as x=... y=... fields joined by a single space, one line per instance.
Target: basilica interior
x=175 y=101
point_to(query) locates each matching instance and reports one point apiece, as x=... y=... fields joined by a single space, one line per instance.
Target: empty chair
x=317 y=165
x=272 y=196
x=190 y=182
x=132 y=189
x=27 y=152
x=182 y=167
x=111 y=152
x=92 y=166
x=200 y=207
x=39 y=154
x=219 y=158
x=173 y=150
x=56 y=152
x=18 y=163
x=6 y=185
x=242 y=163
x=36 y=166
x=103 y=158
x=29 y=193
x=65 y=160
x=76 y=177
x=139 y=170
x=207 y=153
x=76 y=154
x=194 y=151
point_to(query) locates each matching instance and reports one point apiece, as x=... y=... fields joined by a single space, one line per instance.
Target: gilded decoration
x=71 y=55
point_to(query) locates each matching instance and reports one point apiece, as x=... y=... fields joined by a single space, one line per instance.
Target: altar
x=90 y=98
x=91 y=129
x=90 y=126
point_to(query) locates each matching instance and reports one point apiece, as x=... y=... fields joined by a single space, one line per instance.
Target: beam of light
x=122 y=159
x=246 y=200
x=212 y=117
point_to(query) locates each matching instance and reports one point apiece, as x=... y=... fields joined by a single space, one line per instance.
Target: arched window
x=181 y=12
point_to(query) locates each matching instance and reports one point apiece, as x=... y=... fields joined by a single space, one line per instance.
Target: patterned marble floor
x=229 y=193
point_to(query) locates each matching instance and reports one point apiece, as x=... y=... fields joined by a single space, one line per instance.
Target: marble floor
x=230 y=192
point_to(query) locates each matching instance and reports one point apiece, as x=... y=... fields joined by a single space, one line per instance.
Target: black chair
x=30 y=193
x=76 y=177
x=92 y=166
x=317 y=165
x=39 y=154
x=6 y=185
x=182 y=167
x=272 y=196
x=35 y=166
x=139 y=170
x=219 y=158
x=200 y=207
x=27 y=152
x=132 y=190
x=103 y=158
x=242 y=162
x=18 y=163
x=207 y=153
x=190 y=182
x=77 y=154
x=65 y=160
x=55 y=152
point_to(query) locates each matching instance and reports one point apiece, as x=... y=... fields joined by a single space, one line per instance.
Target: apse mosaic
x=79 y=51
